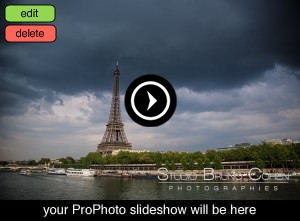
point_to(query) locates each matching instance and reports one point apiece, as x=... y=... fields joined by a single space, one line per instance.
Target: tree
x=197 y=155
x=124 y=157
x=4 y=163
x=258 y=162
x=191 y=164
x=32 y=163
x=93 y=158
x=210 y=154
x=172 y=165
x=206 y=163
x=167 y=165
x=157 y=158
x=184 y=164
x=69 y=160
x=295 y=160
x=44 y=161
x=200 y=162
x=217 y=162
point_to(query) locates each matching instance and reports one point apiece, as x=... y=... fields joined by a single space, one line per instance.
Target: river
x=41 y=186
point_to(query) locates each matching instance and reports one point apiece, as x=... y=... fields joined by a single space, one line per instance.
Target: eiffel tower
x=114 y=137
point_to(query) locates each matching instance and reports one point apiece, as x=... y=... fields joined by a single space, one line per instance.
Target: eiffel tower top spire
x=117 y=69
x=114 y=137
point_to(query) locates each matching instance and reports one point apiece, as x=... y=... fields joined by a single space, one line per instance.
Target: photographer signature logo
x=209 y=174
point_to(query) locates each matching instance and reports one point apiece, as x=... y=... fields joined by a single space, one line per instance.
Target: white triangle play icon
x=152 y=101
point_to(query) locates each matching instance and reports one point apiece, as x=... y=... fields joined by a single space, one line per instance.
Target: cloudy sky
x=235 y=66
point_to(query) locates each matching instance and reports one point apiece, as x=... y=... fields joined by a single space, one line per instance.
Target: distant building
x=226 y=148
x=55 y=161
x=273 y=141
x=285 y=141
x=243 y=145
x=230 y=147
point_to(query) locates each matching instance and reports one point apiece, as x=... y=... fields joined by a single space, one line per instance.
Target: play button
x=150 y=100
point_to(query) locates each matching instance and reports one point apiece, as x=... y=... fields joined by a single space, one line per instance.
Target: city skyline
x=234 y=66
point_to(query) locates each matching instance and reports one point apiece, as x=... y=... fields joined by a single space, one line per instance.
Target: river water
x=41 y=186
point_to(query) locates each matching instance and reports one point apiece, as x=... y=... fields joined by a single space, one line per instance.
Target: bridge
x=19 y=167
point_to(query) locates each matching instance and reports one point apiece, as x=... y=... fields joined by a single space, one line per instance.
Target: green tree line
x=273 y=155
x=262 y=154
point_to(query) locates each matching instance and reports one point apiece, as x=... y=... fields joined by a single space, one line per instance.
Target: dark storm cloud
x=274 y=28
x=202 y=45
x=14 y=96
x=17 y=93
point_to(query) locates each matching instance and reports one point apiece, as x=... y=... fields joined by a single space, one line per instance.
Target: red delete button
x=30 y=33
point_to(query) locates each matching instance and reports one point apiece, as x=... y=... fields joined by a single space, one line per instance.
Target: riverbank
x=208 y=173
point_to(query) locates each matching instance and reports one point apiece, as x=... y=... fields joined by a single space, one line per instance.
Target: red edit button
x=30 y=33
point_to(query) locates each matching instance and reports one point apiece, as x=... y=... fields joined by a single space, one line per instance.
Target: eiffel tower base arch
x=108 y=148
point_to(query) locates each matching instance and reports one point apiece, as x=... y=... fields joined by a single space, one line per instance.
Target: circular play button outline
x=164 y=107
x=142 y=85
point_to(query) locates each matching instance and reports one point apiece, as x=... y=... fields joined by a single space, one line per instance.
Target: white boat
x=80 y=172
x=25 y=172
x=56 y=171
